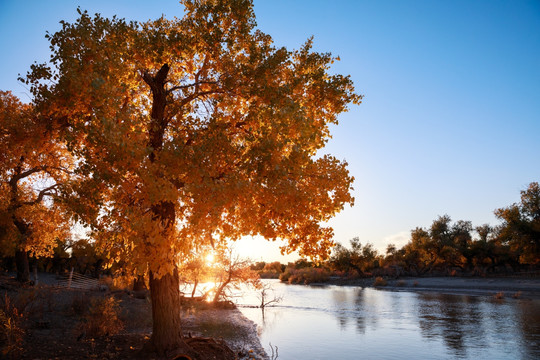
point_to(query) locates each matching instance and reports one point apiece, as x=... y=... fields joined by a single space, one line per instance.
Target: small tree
x=196 y=269
x=230 y=273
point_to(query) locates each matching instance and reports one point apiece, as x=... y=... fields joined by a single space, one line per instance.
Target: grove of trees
x=444 y=248
x=448 y=247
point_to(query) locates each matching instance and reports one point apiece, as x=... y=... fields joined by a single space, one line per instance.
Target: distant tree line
x=444 y=248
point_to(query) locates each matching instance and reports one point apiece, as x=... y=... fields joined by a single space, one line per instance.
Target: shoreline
x=528 y=288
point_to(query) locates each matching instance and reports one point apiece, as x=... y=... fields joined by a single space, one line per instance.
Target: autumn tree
x=196 y=268
x=33 y=166
x=194 y=131
x=230 y=272
x=357 y=257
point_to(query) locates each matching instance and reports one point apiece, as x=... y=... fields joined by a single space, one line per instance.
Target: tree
x=192 y=131
x=358 y=257
x=230 y=272
x=267 y=296
x=33 y=166
x=195 y=268
x=521 y=225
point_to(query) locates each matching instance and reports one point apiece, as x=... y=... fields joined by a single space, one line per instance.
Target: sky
x=450 y=121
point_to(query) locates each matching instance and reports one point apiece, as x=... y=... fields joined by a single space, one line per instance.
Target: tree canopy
x=203 y=113
x=33 y=167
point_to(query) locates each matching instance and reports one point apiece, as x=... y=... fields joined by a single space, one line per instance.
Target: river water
x=333 y=322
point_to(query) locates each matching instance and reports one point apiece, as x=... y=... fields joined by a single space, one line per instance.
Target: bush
x=103 y=317
x=304 y=275
x=80 y=303
x=379 y=281
x=11 y=333
x=284 y=276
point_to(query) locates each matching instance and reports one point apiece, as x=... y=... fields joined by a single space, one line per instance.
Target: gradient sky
x=450 y=122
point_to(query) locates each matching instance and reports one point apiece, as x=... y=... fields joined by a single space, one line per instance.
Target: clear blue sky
x=450 y=122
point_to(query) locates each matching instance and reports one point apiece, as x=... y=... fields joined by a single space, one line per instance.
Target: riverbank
x=500 y=287
x=54 y=323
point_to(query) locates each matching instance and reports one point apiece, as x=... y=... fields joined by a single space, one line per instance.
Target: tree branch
x=42 y=193
x=196 y=84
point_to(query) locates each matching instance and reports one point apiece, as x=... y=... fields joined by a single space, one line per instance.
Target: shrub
x=80 y=303
x=307 y=276
x=11 y=333
x=379 y=281
x=401 y=283
x=499 y=295
x=103 y=317
x=284 y=276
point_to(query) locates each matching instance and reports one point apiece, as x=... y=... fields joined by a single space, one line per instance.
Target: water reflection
x=455 y=319
x=351 y=323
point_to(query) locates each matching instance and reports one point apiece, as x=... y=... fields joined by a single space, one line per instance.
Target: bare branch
x=41 y=195
x=196 y=84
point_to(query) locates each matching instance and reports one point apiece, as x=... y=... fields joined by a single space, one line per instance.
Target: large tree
x=192 y=131
x=33 y=166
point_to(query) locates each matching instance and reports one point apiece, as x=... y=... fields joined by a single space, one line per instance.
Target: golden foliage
x=194 y=131
x=33 y=166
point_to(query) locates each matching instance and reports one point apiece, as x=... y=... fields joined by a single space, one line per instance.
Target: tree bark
x=166 y=327
x=23 y=268
x=139 y=284
x=165 y=291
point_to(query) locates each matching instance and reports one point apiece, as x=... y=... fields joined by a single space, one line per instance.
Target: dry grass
x=401 y=283
x=80 y=303
x=499 y=295
x=102 y=318
x=379 y=281
x=11 y=332
x=517 y=295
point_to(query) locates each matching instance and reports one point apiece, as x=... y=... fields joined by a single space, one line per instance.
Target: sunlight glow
x=210 y=259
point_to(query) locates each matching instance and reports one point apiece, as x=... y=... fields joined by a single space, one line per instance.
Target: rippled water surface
x=332 y=322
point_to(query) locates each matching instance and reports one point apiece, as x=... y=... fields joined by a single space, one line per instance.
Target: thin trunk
x=194 y=288
x=139 y=284
x=221 y=288
x=23 y=268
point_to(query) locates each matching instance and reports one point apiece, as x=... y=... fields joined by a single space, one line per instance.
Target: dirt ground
x=54 y=323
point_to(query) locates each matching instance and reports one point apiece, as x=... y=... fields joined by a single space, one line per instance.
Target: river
x=334 y=322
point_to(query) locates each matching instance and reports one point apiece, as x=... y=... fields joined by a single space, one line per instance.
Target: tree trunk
x=139 y=284
x=220 y=289
x=23 y=268
x=166 y=328
x=194 y=288
x=165 y=292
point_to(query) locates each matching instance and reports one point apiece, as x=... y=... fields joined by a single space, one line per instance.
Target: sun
x=210 y=258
